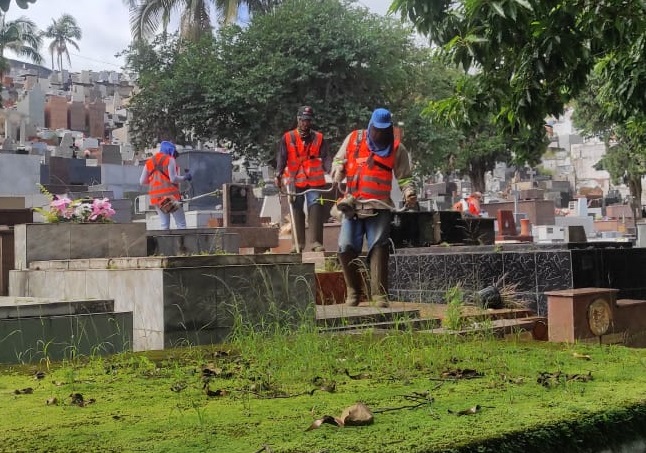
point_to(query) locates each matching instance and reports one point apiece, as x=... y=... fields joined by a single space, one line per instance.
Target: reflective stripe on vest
x=304 y=165
x=473 y=206
x=467 y=205
x=159 y=184
x=368 y=175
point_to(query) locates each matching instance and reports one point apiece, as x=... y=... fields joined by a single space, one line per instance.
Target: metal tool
x=214 y=193
x=291 y=211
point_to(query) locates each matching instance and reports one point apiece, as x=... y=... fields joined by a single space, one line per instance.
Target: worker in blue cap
x=161 y=175
x=368 y=159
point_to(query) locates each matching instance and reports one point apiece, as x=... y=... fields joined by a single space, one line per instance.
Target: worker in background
x=369 y=158
x=161 y=175
x=302 y=161
x=469 y=206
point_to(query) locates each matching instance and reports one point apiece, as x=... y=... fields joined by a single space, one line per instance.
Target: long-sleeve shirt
x=172 y=174
x=401 y=170
x=281 y=155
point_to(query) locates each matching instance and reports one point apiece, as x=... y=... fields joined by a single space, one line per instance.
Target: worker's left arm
x=172 y=172
x=404 y=175
x=326 y=156
x=145 y=175
x=338 y=162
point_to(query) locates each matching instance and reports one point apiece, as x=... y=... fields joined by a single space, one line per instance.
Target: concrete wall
x=33 y=105
x=584 y=157
x=23 y=340
x=19 y=174
x=181 y=300
x=62 y=241
x=121 y=178
x=210 y=169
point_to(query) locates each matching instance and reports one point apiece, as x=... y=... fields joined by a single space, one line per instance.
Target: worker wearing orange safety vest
x=469 y=206
x=302 y=161
x=161 y=176
x=369 y=159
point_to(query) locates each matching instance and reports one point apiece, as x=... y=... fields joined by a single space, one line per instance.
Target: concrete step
x=535 y=325
x=400 y=324
x=343 y=315
x=502 y=313
x=30 y=307
x=341 y=318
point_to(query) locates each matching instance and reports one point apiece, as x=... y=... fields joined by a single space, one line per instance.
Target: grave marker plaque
x=240 y=206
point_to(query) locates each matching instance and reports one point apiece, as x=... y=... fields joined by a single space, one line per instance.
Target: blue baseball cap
x=381 y=118
x=167 y=148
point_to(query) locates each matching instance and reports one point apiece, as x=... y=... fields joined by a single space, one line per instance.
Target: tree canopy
x=245 y=86
x=625 y=159
x=540 y=53
x=531 y=57
x=195 y=15
x=22 y=37
x=24 y=4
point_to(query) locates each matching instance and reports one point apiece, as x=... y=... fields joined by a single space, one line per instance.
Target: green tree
x=245 y=86
x=340 y=59
x=156 y=111
x=625 y=158
x=24 y=4
x=22 y=37
x=482 y=142
x=542 y=51
x=195 y=21
x=432 y=143
x=63 y=33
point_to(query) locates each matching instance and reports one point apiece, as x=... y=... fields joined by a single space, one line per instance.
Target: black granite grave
x=424 y=274
x=426 y=228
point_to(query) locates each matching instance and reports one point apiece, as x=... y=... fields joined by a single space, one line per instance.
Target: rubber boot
x=379 y=275
x=315 y=232
x=350 y=265
x=298 y=227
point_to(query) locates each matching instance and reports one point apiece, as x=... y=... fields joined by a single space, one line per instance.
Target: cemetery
x=521 y=328
x=108 y=289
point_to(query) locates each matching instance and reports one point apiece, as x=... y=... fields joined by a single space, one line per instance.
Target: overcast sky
x=105 y=26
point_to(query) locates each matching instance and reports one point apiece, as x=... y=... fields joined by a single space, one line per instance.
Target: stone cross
x=531 y=172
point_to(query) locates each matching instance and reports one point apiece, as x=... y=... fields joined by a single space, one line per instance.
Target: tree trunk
x=477 y=177
x=635 y=186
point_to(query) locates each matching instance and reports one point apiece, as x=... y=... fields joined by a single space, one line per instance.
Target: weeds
x=453 y=318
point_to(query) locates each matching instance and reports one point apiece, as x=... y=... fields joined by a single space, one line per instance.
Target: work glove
x=187 y=175
x=410 y=199
x=337 y=174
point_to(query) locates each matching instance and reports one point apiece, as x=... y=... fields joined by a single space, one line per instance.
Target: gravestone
x=271 y=208
x=240 y=206
x=65 y=147
x=111 y=154
x=38 y=149
x=507 y=230
x=8 y=144
x=575 y=233
x=506 y=224
x=413 y=229
x=210 y=169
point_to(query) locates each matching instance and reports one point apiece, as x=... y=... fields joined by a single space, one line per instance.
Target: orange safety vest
x=159 y=184
x=304 y=165
x=368 y=175
x=467 y=204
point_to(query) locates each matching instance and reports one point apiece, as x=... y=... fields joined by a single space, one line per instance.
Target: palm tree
x=22 y=37
x=63 y=33
x=147 y=15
